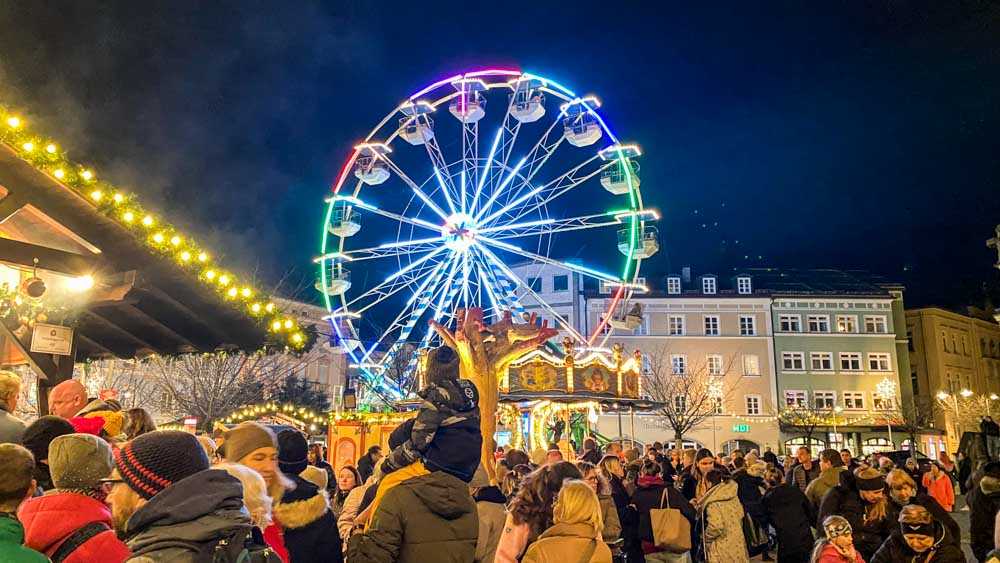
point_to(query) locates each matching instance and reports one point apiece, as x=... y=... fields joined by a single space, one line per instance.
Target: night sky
x=863 y=135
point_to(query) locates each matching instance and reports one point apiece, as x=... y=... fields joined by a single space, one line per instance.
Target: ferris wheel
x=427 y=216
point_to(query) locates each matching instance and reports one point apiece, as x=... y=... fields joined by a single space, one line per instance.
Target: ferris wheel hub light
x=459 y=230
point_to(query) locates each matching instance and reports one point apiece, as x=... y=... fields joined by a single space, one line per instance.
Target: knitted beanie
x=293 y=451
x=156 y=460
x=836 y=526
x=79 y=461
x=915 y=519
x=245 y=438
x=40 y=433
x=869 y=479
x=442 y=364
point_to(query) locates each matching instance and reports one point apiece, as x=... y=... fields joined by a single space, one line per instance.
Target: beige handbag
x=671 y=530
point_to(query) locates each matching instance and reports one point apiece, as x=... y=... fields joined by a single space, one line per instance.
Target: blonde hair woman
x=255 y=496
x=609 y=513
x=575 y=531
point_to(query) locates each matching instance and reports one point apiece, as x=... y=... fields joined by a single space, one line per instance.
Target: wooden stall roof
x=143 y=302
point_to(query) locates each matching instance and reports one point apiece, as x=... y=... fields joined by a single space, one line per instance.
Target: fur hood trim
x=301 y=513
x=990 y=485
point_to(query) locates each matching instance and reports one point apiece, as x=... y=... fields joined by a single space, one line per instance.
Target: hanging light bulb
x=87 y=175
x=59 y=173
x=147 y=220
x=51 y=148
x=28 y=147
x=118 y=198
x=14 y=122
x=158 y=238
x=96 y=195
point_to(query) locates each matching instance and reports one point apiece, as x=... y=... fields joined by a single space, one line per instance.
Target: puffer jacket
x=750 y=484
x=51 y=519
x=828 y=479
x=490 y=509
x=721 y=515
x=427 y=518
x=984 y=504
x=790 y=513
x=896 y=550
x=307 y=524
x=188 y=519
x=845 y=500
x=563 y=543
x=11 y=540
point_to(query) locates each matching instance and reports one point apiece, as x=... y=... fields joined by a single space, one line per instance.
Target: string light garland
x=158 y=235
x=372 y=417
x=303 y=416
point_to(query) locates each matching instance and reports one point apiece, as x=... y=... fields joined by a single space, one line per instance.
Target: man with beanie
x=169 y=506
x=37 y=437
x=919 y=539
x=16 y=485
x=308 y=524
x=71 y=522
x=429 y=517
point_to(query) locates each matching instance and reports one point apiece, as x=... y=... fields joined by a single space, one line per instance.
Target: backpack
x=240 y=547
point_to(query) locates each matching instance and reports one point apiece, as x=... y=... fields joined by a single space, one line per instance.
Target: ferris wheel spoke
x=501 y=291
x=557 y=317
x=416 y=188
x=439 y=165
x=470 y=157
x=389 y=286
x=552 y=226
x=387 y=214
x=538 y=155
x=545 y=259
x=499 y=189
x=504 y=140
x=547 y=192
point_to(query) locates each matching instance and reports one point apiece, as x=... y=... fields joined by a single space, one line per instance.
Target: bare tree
x=210 y=386
x=804 y=419
x=691 y=394
x=128 y=377
x=914 y=417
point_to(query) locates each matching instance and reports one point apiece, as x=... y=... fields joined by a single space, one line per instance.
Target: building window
x=751 y=364
x=878 y=362
x=790 y=323
x=716 y=405
x=673 y=285
x=678 y=364
x=794 y=399
x=881 y=403
x=642 y=329
x=711 y=325
x=753 y=404
x=708 y=285
x=675 y=325
x=535 y=284
x=854 y=400
x=914 y=383
x=850 y=361
x=847 y=323
x=680 y=403
x=793 y=361
x=743 y=285
x=560 y=283
x=876 y=324
x=714 y=362
x=748 y=326
x=819 y=323
x=824 y=400
x=821 y=361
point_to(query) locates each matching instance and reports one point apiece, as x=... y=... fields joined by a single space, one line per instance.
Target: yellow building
x=955 y=362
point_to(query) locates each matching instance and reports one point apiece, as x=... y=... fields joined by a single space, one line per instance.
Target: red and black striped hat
x=155 y=460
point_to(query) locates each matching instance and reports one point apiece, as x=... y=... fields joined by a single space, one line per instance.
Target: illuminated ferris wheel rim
x=464 y=231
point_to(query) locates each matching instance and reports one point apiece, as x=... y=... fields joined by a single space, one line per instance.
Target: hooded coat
x=490 y=507
x=648 y=495
x=188 y=519
x=984 y=504
x=750 y=483
x=845 y=500
x=51 y=519
x=427 y=518
x=790 y=513
x=721 y=517
x=828 y=479
x=11 y=538
x=567 y=543
x=308 y=526
x=896 y=550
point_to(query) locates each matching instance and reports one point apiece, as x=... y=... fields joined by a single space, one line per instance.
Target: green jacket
x=828 y=479
x=426 y=518
x=12 y=549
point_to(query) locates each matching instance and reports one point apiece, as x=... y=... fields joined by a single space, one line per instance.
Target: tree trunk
x=678 y=441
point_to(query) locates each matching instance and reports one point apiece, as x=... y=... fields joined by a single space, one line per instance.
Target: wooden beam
x=90 y=343
x=158 y=324
x=23 y=254
x=121 y=333
x=43 y=365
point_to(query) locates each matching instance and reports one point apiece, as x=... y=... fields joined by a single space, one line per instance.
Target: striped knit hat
x=156 y=460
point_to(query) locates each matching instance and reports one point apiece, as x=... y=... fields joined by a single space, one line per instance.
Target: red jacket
x=50 y=519
x=941 y=489
x=829 y=554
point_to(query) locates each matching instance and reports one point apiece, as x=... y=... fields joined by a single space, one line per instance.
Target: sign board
x=741 y=428
x=52 y=339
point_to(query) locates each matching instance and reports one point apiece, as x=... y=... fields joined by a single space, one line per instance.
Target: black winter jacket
x=308 y=524
x=750 y=493
x=845 y=500
x=984 y=503
x=648 y=495
x=940 y=514
x=896 y=550
x=790 y=513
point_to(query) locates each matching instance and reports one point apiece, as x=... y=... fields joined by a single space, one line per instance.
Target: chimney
x=686 y=275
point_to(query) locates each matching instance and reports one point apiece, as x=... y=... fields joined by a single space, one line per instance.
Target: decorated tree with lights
x=484 y=352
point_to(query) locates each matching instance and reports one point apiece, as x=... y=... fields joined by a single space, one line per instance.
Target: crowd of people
x=94 y=483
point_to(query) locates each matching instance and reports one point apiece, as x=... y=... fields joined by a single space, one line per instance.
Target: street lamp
x=965 y=393
x=887 y=389
x=952 y=401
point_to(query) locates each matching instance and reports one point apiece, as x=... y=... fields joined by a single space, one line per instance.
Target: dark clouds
x=856 y=136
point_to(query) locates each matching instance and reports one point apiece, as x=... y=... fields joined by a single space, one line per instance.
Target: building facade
x=710 y=327
x=955 y=365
